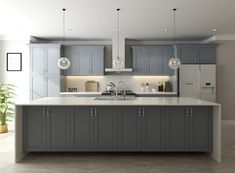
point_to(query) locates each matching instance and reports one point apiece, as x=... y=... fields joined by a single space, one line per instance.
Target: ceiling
x=139 y=19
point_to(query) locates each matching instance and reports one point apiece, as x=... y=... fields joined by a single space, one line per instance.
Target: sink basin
x=115 y=99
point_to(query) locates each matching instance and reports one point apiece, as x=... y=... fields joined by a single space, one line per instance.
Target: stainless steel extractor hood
x=121 y=54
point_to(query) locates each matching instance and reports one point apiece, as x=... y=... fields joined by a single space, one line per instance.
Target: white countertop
x=140 y=101
x=99 y=93
x=80 y=93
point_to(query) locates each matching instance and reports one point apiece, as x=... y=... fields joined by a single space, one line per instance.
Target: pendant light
x=63 y=62
x=118 y=62
x=174 y=62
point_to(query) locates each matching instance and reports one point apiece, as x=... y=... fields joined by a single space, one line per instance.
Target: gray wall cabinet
x=46 y=128
x=189 y=129
x=85 y=60
x=197 y=54
x=110 y=128
x=44 y=72
x=152 y=60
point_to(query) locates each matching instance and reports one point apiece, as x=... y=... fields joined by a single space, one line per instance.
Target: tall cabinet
x=44 y=72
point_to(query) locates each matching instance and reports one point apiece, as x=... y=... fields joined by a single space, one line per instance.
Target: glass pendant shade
x=118 y=63
x=63 y=63
x=174 y=63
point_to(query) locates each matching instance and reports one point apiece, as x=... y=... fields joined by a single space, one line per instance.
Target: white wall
x=21 y=78
x=225 y=78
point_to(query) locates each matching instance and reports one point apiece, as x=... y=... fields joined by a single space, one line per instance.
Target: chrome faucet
x=124 y=89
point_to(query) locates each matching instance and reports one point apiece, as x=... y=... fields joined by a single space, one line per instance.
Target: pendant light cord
x=175 y=50
x=63 y=24
x=118 y=34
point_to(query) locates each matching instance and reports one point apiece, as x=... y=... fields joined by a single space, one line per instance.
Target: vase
x=3 y=129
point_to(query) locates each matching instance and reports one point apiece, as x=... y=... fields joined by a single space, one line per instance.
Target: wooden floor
x=119 y=163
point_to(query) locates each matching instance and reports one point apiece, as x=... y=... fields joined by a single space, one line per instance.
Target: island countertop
x=139 y=101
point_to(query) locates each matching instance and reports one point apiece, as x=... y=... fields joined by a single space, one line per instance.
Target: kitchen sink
x=115 y=99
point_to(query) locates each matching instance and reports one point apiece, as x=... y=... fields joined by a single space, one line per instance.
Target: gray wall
x=226 y=78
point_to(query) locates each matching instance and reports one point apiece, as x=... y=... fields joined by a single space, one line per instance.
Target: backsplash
x=132 y=82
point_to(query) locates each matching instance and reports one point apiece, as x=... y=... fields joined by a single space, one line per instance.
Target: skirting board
x=228 y=122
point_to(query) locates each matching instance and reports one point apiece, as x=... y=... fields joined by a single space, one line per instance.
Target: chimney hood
x=121 y=54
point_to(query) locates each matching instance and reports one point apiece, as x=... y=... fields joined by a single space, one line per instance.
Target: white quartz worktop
x=99 y=93
x=140 y=101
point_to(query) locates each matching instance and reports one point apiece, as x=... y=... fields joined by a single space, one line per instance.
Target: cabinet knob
x=186 y=112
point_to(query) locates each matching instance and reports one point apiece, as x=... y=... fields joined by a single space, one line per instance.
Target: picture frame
x=14 y=61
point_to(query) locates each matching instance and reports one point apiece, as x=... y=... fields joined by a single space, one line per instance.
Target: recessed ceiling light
x=214 y=29
x=165 y=30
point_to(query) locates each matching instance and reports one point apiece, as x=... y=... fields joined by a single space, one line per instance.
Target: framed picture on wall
x=14 y=61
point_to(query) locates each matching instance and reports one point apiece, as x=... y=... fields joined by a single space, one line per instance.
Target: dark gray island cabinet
x=117 y=128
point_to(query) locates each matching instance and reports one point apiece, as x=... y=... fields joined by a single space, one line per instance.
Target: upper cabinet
x=44 y=71
x=197 y=54
x=152 y=60
x=44 y=59
x=85 y=60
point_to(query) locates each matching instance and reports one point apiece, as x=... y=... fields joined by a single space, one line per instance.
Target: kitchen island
x=146 y=124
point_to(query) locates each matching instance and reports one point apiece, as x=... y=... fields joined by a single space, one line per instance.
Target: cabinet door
x=140 y=61
x=82 y=133
x=97 y=61
x=58 y=128
x=152 y=129
x=83 y=61
x=53 y=86
x=37 y=87
x=37 y=61
x=34 y=129
x=105 y=128
x=207 y=55
x=201 y=129
x=155 y=61
x=52 y=56
x=189 y=55
x=176 y=129
x=167 y=55
x=129 y=129
x=71 y=53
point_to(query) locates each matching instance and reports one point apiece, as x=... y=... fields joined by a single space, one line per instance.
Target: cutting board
x=91 y=86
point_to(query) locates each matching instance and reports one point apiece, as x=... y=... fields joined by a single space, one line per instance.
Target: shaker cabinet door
x=82 y=133
x=129 y=129
x=58 y=128
x=34 y=128
x=105 y=128
x=176 y=129
x=155 y=61
x=83 y=61
x=52 y=56
x=97 y=61
x=37 y=61
x=140 y=61
x=201 y=128
x=152 y=129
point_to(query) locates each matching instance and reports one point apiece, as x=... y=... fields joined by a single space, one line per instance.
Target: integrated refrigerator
x=198 y=81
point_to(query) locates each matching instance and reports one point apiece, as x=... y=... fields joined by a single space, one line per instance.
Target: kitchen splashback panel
x=132 y=82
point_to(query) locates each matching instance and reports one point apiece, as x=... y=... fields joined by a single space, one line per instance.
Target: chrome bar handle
x=139 y=113
x=186 y=112
x=95 y=112
x=43 y=112
x=48 y=109
x=143 y=112
x=191 y=112
x=91 y=112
